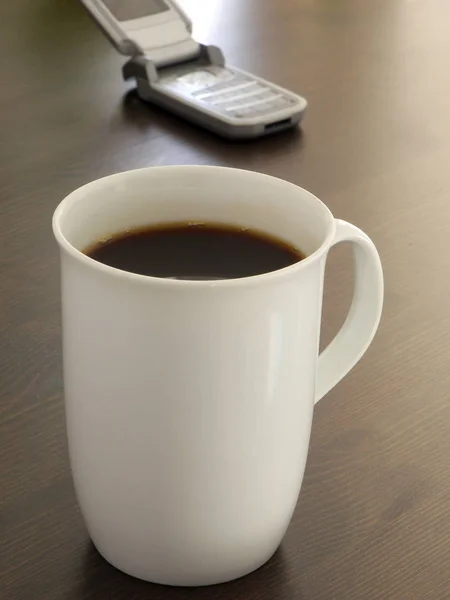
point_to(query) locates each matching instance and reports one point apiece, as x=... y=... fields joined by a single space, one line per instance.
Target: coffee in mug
x=199 y=251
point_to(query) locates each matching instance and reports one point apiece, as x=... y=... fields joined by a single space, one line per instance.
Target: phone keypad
x=237 y=83
x=240 y=96
x=243 y=97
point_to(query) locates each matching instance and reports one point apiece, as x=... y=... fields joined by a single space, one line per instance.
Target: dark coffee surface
x=195 y=251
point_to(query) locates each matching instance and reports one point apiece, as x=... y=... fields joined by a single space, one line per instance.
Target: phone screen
x=126 y=10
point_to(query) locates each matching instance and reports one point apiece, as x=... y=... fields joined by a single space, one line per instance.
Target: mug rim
x=269 y=277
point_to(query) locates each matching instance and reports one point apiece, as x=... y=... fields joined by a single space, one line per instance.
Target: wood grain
x=373 y=519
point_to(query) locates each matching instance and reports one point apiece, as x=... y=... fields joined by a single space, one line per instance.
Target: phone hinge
x=141 y=67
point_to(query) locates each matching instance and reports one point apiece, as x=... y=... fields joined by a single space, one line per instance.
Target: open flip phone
x=177 y=73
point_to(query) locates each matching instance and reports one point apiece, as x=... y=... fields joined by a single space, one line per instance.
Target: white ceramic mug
x=189 y=403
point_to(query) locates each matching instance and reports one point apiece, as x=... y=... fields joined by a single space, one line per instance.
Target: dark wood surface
x=373 y=519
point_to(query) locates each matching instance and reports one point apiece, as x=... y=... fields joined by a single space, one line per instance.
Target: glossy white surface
x=189 y=404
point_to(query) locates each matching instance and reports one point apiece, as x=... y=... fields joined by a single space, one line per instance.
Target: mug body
x=189 y=403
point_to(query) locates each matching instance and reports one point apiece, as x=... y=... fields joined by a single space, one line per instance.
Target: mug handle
x=362 y=321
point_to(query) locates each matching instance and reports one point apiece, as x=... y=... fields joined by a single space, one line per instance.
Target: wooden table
x=373 y=519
